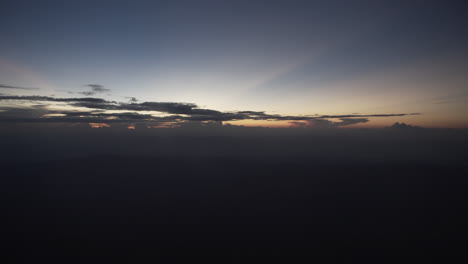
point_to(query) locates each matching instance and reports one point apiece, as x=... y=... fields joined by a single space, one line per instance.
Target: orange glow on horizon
x=260 y=123
x=98 y=125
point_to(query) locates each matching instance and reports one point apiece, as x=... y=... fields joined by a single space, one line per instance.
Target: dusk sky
x=233 y=129
x=288 y=61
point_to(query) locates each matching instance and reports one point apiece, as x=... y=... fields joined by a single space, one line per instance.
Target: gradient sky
x=281 y=57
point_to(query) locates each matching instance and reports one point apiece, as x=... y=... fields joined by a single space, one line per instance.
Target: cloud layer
x=104 y=111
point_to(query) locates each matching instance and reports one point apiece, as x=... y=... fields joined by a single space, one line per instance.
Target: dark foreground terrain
x=274 y=202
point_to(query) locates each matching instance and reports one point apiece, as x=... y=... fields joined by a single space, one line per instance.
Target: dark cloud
x=199 y=124
x=30 y=112
x=17 y=87
x=398 y=126
x=132 y=99
x=351 y=121
x=60 y=120
x=41 y=114
x=218 y=117
x=52 y=99
x=253 y=113
x=179 y=112
x=372 y=115
x=103 y=105
x=97 y=88
x=126 y=116
x=325 y=123
x=165 y=107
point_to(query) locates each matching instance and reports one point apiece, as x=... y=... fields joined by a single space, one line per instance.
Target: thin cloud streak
x=38 y=98
x=97 y=88
x=17 y=87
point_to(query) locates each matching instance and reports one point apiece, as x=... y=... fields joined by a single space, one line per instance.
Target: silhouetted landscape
x=262 y=192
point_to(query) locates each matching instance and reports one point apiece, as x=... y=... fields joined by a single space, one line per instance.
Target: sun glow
x=99 y=125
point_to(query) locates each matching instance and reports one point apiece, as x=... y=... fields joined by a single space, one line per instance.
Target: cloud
x=199 y=124
x=102 y=111
x=87 y=93
x=371 y=115
x=51 y=99
x=325 y=123
x=126 y=116
x=257 y=113
x=399 y=126
x=31 y=112
x=351 y=121
x=17 y=87
x=166 y=107
x=132 y=99
x=97 y=88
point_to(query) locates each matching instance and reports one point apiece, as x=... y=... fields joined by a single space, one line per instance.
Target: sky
x=233 y=128
x=255 y=63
